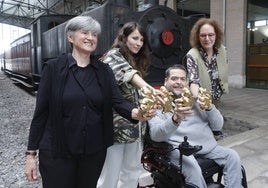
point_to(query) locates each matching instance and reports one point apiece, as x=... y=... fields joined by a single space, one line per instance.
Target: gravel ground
x=16 y=111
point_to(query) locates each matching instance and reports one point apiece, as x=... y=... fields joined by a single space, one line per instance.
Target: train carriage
x=168 y=38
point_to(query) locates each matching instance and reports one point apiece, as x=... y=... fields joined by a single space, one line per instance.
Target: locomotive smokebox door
x=163 y=37
x=163 y=27
x=167 y=40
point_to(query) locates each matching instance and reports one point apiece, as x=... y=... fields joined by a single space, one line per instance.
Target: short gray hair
x=86 y=23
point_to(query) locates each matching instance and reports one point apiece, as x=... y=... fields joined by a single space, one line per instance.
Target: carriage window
x=257 y=45
x=52 y=24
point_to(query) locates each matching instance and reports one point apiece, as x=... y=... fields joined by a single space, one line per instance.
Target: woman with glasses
x=206 y=62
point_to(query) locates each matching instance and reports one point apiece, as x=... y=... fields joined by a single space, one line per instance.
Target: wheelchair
x=165 y=174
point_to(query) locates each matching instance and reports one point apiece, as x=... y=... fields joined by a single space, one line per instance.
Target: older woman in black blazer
x=73 y=124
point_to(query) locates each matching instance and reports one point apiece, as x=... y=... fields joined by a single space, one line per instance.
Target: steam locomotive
x=168 y=39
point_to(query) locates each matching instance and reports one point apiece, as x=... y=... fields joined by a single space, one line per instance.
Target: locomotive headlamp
x=167 y=37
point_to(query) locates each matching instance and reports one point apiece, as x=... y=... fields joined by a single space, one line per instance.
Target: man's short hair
x=175 y=66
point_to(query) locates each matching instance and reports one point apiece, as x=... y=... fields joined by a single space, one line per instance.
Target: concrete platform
x=248 y=106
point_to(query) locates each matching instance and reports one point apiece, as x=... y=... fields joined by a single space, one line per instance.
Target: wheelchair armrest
x=160 y=145
x=189 y=150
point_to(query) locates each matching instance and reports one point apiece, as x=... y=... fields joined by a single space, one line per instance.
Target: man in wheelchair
x=196 y=121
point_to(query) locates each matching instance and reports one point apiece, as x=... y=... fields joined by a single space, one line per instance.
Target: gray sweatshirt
x=197 y=127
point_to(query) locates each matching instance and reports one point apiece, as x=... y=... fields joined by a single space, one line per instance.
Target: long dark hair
x=139 y=61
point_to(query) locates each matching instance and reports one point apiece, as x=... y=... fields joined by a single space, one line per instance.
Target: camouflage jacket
x=124 y=130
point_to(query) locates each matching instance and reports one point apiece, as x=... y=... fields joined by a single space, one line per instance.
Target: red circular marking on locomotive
x=167 y=37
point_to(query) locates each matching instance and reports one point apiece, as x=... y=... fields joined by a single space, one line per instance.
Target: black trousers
x=77 y=172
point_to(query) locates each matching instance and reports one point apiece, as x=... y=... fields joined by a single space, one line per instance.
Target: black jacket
x=49 y=104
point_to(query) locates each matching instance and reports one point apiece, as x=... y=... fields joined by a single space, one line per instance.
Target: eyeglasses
x=209 y=35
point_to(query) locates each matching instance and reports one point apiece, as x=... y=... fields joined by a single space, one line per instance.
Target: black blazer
x=48 y=108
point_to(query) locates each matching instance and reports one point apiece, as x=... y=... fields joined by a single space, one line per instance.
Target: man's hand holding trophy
x=165 y=100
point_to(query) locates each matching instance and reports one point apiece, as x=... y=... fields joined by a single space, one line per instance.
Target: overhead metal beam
x=22 y=12
x=23 y=22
